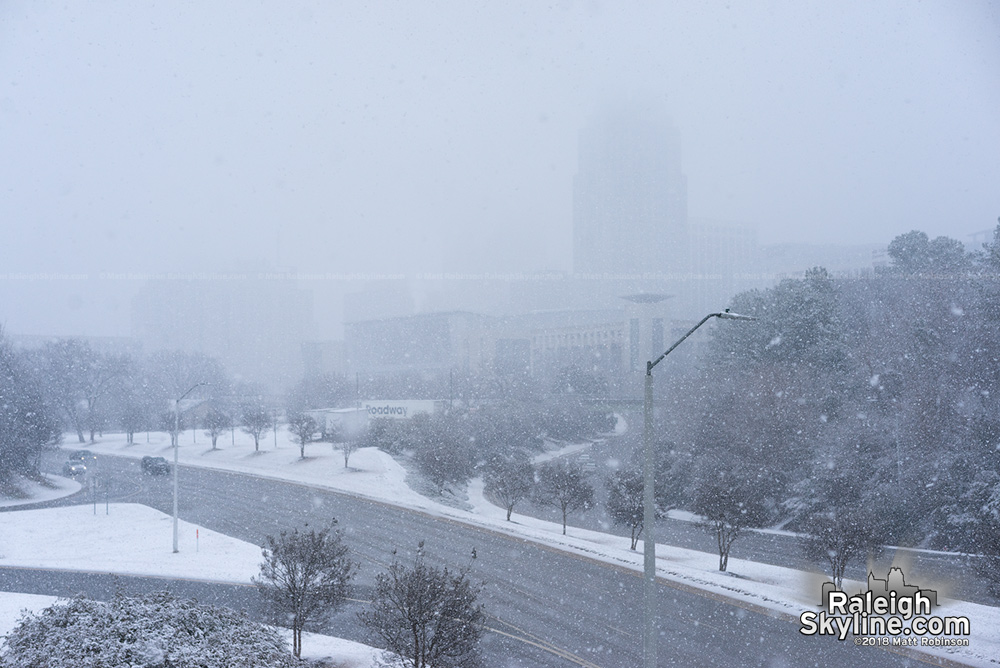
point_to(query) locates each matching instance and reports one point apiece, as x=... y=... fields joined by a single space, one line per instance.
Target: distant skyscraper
x=629 y=196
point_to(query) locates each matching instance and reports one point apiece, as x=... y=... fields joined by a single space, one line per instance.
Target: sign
x=399 y=409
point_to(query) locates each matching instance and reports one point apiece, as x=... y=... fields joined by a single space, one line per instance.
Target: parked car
x=74 y=468
x=155 y=466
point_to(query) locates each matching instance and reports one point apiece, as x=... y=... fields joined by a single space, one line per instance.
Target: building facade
x=629 y=196
x=253 y=324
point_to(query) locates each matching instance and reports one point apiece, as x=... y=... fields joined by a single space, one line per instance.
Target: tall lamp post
x=177 y=438
x=649 y=501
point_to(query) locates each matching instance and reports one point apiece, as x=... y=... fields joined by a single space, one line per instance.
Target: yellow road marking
x=544 y=645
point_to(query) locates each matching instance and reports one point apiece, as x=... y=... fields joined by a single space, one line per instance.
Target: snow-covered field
x=128 y=539
x=32 y=492
x=780 y=592
x=76 y=538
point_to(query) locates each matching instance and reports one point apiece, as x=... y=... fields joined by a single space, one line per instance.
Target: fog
x=452 y=238
x=398 y=139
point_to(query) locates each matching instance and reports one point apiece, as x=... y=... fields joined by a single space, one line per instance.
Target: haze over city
x=443 y=137
x=421 y=321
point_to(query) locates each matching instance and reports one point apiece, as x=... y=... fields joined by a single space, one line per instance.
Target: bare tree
x=173 y=424
x=730 y=504
x=985 y=529
x=303 y=575
x=564 y=485
x=319 y=391
x=170 y=373
x=216 y=423
x=303 y=427
x=77 y=378
x=624 y=504
x=348 y=447
x=841 y=536
x=134 y=417
x=101 y=374
x=442 y=450
x=510 y=481
x=27 y=425
x=129 y=403
x=673 y=477
x=426 y=616
x=256 y=420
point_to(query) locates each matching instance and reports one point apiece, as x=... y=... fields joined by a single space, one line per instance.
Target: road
x=950 y=574
x=546 y=608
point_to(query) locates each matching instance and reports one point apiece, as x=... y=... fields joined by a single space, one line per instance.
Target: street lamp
x=648 y=497
x=177 y=438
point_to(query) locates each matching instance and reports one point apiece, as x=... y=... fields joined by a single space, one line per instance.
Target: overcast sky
x=428 y=136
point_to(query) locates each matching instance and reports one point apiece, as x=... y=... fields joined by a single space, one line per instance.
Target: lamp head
x=728 y=315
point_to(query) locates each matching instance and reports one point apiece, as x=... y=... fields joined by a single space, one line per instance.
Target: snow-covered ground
x=129 y=539
x=338 y=651
x=76 y=538
x=33 y=492
x=564 y=451
x=777 y=591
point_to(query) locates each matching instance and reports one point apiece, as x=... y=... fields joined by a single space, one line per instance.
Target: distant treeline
x=876 y=400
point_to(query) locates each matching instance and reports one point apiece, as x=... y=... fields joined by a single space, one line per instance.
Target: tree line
x=452 y=447
x=68 y=386
x=861 y=411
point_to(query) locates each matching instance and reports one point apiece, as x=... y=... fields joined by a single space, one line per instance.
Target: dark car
x=74 y=468
x=84 y=456
x=155 y=466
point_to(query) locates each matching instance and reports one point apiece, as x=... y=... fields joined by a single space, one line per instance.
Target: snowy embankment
x=126 y=538
x=776 y=591
x=29 y=491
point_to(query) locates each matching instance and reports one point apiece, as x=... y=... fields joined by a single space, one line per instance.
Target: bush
x=150 y=631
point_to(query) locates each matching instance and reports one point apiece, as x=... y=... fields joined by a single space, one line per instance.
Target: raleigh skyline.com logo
x=889 y=612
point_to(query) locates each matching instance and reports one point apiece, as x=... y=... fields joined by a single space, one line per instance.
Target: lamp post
x=648 y=497
x=177 y=438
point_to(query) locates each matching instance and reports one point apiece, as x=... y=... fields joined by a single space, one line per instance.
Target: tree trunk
x=838 y=575
x=721 y=542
